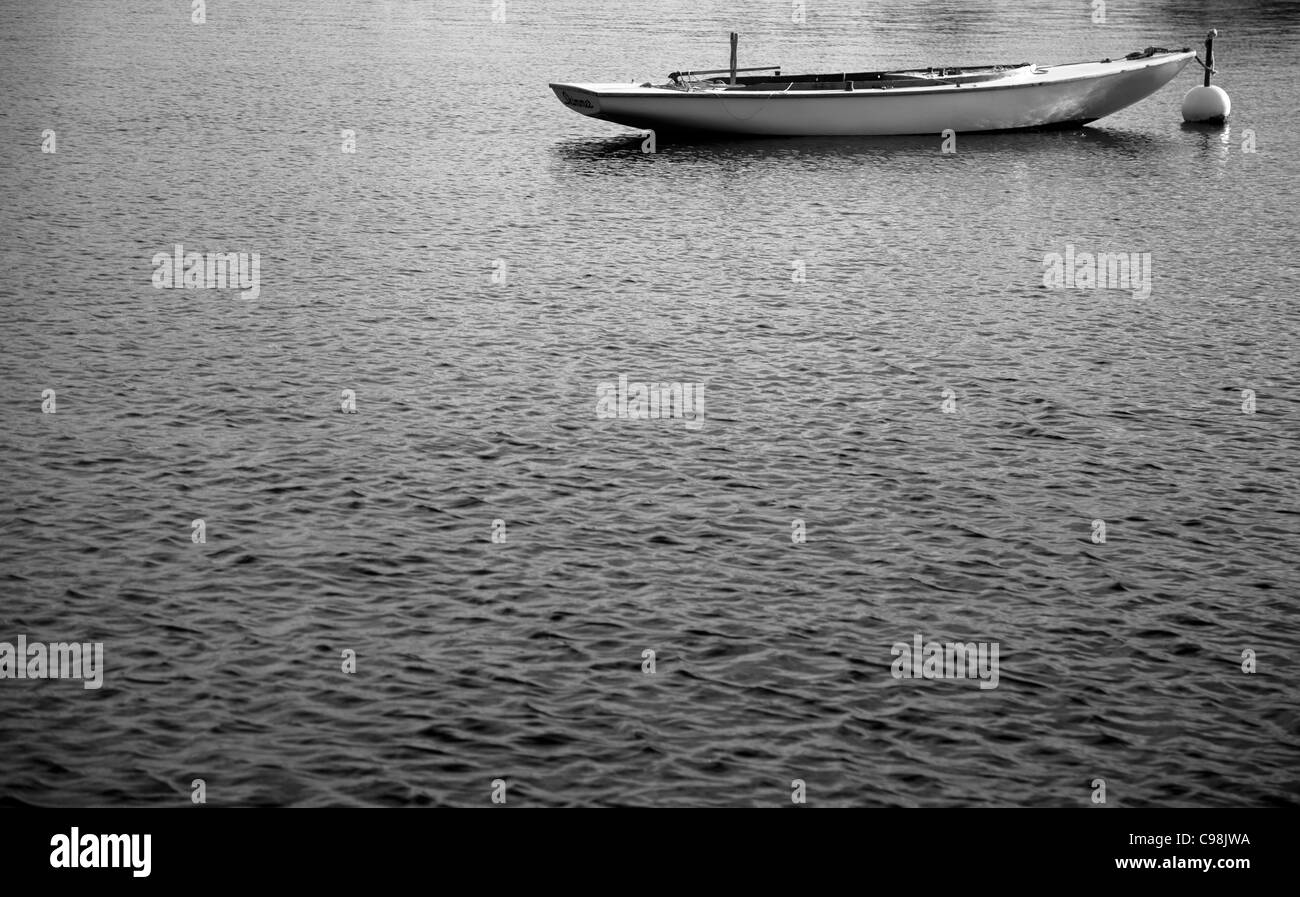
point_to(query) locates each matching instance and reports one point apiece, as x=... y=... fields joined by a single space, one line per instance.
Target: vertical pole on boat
x=734 y=37
x=1209 y=54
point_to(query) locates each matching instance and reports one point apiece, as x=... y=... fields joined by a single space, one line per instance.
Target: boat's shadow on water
x=670 y=149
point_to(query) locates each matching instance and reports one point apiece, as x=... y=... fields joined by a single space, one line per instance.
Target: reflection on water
x=592 y=155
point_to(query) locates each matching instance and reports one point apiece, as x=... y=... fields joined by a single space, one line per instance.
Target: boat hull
x=1049 y=97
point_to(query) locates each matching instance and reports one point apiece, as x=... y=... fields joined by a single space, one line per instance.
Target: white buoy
x=1208 y=103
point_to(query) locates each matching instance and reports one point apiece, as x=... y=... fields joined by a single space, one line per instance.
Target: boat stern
x=581 y=98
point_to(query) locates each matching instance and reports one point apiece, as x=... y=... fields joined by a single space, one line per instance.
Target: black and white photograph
x=681 y=404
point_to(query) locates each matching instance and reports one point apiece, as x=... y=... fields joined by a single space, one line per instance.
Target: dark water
x=522 y=660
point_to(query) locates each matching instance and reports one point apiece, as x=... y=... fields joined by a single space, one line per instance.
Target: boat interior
x=851 y=80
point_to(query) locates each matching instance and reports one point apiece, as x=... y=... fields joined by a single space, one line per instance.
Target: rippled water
x=372 y=532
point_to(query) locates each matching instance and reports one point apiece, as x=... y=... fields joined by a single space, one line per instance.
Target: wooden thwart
x=758 y=68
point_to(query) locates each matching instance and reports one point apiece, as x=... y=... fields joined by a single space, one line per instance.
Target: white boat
x=916 y=101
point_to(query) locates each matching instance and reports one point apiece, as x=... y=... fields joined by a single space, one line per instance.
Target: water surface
x=371 y=532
